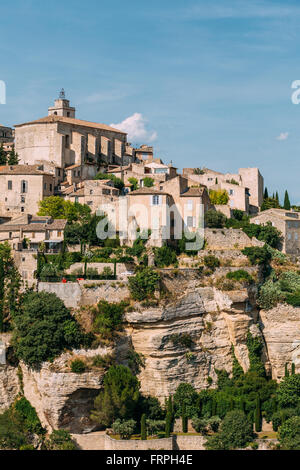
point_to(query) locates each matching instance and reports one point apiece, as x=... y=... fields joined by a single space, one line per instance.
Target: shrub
x=60 y=440
x=148 y=182
x=78 y=366
x=108 y=317
x=200 y=425
x=144 y=283
x=124 y=428
x=269 y=295
x=214 y=219
x=240 y=275
x=48 y=271
x=289 y=434
x=294 y=299
x=288 y=393
x=164 y=256
x=219 y=196
x=118 y=183
x=154 y=426
x=211 y=262
x=103 y=361
x=185 y=340
x=257 y=255
x=187 y=395
x=29 y=416
x=236 y=432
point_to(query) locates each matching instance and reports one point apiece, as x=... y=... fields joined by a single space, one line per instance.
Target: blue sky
x=208 y=83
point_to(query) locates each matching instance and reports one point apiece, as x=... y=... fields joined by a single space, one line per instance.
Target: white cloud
x=282 y=136
x=135 y=126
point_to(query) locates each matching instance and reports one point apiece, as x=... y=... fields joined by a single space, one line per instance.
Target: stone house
x=287 y=222
x=94 y=193
x=6 y=134
x=28 y=231
x=245 y=188
x=22 y=187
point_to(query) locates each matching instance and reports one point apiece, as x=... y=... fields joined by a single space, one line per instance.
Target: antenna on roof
x=62 y=94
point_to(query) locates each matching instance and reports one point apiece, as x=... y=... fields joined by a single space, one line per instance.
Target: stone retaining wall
x=169 y=443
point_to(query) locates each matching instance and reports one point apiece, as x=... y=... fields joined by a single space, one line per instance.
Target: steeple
x=62 y=106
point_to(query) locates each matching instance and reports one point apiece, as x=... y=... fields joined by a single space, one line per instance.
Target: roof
x=72 y=167
x=77 y=193
x=281 y=213
x=145 y=190
x=33 y=226
x=22 y=170
x=193 y=192
x=67 y=120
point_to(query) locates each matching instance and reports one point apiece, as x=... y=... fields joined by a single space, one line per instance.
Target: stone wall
x=121 y=268
x=76 y=294
x=228 y=239
x=170 y=443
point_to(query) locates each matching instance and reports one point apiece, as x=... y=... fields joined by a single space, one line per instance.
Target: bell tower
x=62 y=107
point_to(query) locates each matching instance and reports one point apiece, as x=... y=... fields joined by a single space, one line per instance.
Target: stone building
x=27 y=232
x=94 y=193
x=245 y=188
x=287 y=222
x=21 y=189
x=6 y=134
x=59 y=140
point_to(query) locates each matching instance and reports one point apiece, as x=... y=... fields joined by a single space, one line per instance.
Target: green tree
x=258 y=416
x=148 y=182
x=236 y=432
x=108 y=318
x=185 y=395
x=144 y=283
x=134 y=183
x=286 y=370
x=43 y=328
x=289 y=434
x=219 y=196
x=60 y=440
x=143 y=428
x=124 y=428
x=270 y=203
x=184 y=419
x=3 y=155
x=118 y=398
x=266 y=194
x=13 y=158
x=286 y=204
x=169 y=418
x=118 y=183
x=288 y=393
x=214 y=219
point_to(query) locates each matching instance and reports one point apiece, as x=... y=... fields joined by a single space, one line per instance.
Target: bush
x=200 y=425
x=288 y=393
x=78 y=366
x=289 y=434
x=103 y=361
x=29 y=416
x=48 y=271
x=240 y=275
x=185 y=340
x=257 y=255
x=211 y=262
x=124 y=428
x=60 y=440
x=269 y=295
x=108 y=318
x=164 y=256
x=155 y=426
x=144 y=283
x=236 y=432
x=219 y=196
x=214 y=219
x=187 y=395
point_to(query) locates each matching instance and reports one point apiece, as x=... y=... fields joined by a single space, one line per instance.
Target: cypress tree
x=286 y=371
x=2 y=275
x=258 y=418
x=286 y=204
x=3 y=156
x=143 y=428
x=13 y=158
x=184 y=419
x=169 y=417
x=266 y=194
x=277 y=197
x=293 y=369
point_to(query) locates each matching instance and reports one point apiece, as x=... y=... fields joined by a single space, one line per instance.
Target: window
x=58 y=233
x=22 y=209
x=91 y=191
x=24 y=186
x=231 y=192
x=190 y=205
x=155 y=200
x=33 y=235
x=296 y=236
x=189 y=221
x=50 y=187
x=67 y=141
x=45 y=186
x=9 y=185
x=23 y=199
x=289 y=236
x=58 y=172
x=10 y=234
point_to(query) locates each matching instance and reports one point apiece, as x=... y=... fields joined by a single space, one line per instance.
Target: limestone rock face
x=214 y=320
x=280 y=327
x=9 y=382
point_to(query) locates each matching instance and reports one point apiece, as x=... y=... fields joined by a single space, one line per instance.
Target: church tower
x=62 y=107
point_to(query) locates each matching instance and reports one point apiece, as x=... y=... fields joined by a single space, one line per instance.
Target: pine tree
x=184 y=419
x=258 y=418
x=143 y=428
x=266 y=194
x=286 y=371
x=286 y=204
x=13 y=158
x=3 y=156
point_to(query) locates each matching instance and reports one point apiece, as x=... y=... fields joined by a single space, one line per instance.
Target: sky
x=207 y=83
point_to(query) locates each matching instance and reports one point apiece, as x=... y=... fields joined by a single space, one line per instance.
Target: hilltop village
x=136 y=299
